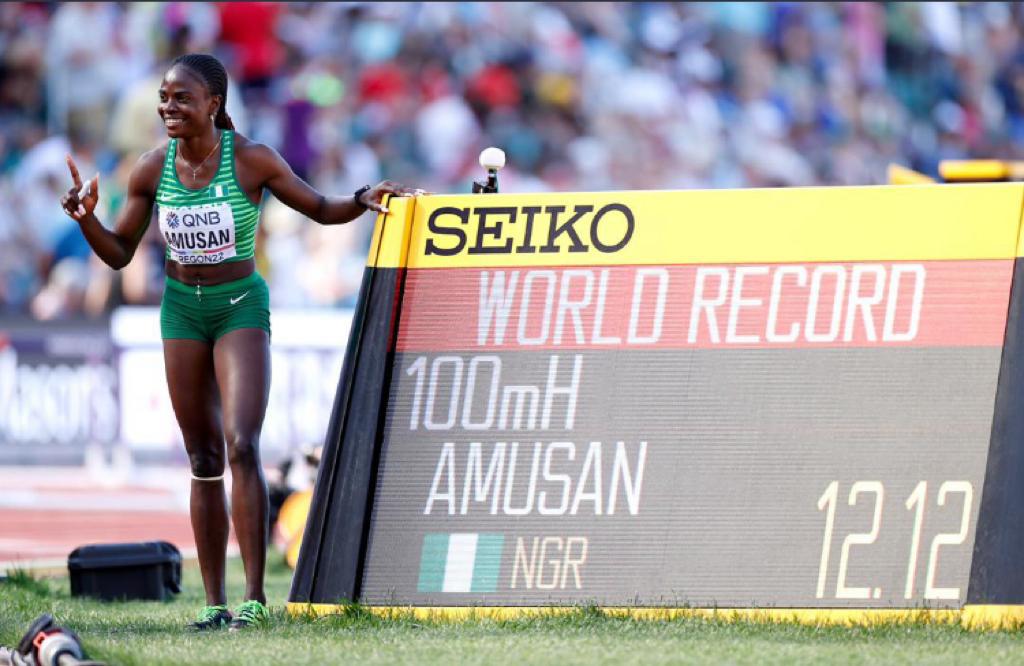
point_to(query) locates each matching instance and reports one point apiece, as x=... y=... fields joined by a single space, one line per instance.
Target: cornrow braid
x=211 y=72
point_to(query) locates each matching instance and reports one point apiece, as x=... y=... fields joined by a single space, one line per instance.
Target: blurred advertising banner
x=71 y=388
x=58 y=391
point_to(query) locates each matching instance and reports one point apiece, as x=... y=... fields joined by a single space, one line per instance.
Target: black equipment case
x=109 y=571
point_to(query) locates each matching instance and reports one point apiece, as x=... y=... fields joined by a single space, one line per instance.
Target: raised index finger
x=74 y=171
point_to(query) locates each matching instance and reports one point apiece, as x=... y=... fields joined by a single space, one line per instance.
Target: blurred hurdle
x=960 y=171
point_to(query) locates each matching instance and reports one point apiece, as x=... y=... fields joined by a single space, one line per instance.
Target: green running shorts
x=206 y=313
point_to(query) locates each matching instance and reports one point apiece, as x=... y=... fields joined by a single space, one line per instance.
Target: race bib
x=199 y=234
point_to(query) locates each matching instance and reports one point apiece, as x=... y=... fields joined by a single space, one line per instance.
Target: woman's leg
x=194 y=396
x=242 y=361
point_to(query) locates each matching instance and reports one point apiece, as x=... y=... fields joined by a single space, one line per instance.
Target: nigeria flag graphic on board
x=460 y=562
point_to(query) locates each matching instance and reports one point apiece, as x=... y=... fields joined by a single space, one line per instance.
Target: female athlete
x=207 y=182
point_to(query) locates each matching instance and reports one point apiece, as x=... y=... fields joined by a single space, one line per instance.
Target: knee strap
x=208 y=478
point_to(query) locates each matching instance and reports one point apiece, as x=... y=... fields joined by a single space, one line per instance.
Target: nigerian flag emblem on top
x=460 y=562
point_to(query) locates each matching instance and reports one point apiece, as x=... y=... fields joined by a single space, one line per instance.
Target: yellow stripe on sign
x=389 y=247
x=970 y=617
x=1020 y=234
x=901 y=175
x=994 y=616
x=883 y=223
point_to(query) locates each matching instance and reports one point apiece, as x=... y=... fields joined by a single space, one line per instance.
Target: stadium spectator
x=86 y=43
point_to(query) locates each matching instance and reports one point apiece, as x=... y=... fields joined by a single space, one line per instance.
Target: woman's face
x=186 y=106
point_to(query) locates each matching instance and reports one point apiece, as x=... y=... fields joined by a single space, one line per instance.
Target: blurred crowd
x=581 y=96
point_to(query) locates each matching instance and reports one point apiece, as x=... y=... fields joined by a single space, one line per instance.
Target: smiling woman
x=207 y=182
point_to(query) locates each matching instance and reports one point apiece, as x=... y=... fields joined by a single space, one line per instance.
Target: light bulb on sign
x=492 y=159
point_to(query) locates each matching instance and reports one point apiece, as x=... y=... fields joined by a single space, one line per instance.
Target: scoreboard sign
x=756 y=399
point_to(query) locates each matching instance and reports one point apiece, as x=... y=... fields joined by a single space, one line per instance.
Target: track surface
x=45 y=513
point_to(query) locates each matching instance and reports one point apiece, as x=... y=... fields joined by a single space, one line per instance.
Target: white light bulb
x=492 y=158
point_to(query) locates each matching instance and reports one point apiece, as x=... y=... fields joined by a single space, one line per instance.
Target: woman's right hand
x=80 y=200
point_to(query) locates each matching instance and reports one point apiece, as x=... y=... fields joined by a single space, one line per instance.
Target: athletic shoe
x=250 y=614
x=211 y=617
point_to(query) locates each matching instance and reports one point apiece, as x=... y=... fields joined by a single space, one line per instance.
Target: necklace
x=195 y=170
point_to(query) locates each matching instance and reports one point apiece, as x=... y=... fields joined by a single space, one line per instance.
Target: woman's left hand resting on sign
x=373 y=198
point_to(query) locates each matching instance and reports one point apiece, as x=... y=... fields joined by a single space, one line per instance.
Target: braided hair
x=211 y=72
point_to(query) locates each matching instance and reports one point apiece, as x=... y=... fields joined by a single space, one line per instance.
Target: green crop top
x=210 y=225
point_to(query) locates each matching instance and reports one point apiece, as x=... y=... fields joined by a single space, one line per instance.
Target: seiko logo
x=530 y=229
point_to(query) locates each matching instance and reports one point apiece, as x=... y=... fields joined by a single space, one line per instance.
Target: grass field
x=151 y=633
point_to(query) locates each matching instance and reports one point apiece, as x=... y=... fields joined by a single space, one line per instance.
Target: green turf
x=151 y=633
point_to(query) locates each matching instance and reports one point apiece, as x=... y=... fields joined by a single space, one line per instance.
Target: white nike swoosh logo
x=235 y=300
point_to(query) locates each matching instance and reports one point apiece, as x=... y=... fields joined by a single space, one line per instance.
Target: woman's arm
x=116 y=248
x=278 y=177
